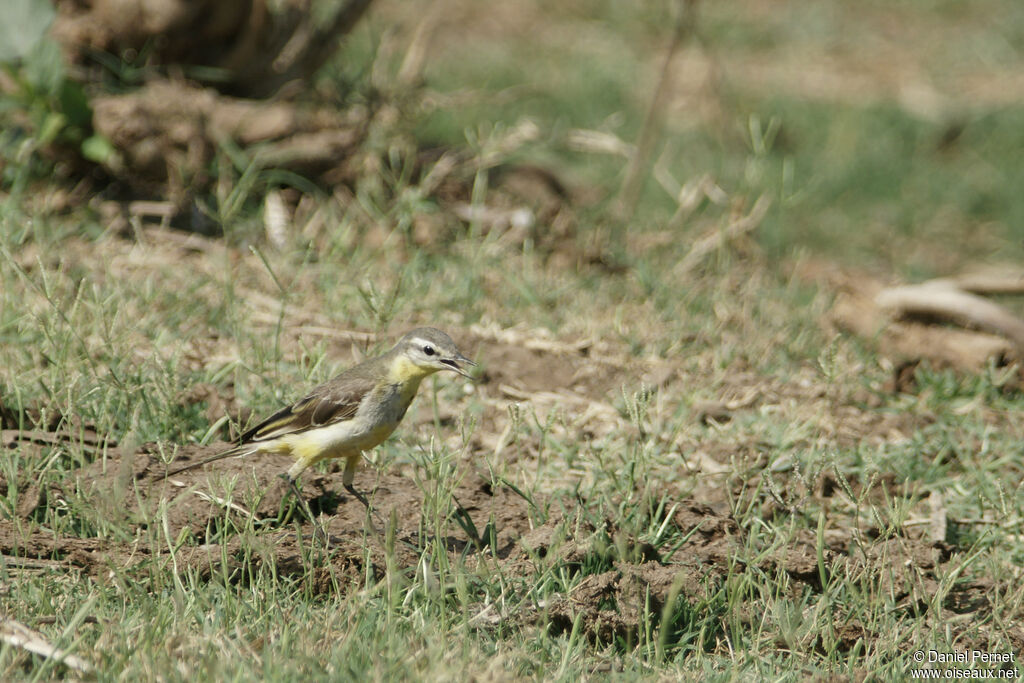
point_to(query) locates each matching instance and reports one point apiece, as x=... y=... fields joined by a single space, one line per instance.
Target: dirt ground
x=132 y=488
x=236 y=516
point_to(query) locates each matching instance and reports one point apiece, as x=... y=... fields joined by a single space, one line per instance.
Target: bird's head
x=431 y=350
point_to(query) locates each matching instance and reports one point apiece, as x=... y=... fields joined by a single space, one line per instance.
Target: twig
x=411 y=71
x=709 y=243
x=16 y=634
x=942 y=299
x=1002 y=281
x=633 y=182
x=223 y=502
x=937 y=518
x=9 y=561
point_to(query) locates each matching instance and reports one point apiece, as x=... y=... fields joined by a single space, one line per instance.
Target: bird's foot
x=371 y=514
x=319 y=533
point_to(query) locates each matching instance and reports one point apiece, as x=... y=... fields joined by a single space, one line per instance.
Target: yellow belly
x=332 y=442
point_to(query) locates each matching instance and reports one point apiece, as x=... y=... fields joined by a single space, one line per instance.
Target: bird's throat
x=404 y=370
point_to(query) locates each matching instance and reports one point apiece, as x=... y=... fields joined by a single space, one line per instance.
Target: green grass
x=821 y=465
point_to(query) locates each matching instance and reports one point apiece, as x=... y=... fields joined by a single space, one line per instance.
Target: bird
x=352 y=413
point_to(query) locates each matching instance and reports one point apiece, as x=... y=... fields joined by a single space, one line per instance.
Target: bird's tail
x=233 y=451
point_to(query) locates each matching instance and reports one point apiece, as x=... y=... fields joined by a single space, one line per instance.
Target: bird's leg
x=350 y=473
x=359 y=496
x=317 y=529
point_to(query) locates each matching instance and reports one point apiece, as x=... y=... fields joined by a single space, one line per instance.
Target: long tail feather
x=233 y=451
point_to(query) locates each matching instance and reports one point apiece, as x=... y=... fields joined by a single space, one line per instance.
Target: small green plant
x=43 y=111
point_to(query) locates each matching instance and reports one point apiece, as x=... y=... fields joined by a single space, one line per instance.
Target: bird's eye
x=429 y=350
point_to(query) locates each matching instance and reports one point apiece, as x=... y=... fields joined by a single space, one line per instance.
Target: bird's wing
x=331 y=402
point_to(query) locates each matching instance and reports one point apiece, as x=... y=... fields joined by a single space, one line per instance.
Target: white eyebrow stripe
x=421 y=340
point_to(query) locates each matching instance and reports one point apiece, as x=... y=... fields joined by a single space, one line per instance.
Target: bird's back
x=335 y=400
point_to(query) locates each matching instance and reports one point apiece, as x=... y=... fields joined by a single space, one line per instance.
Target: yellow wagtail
x=352 y=413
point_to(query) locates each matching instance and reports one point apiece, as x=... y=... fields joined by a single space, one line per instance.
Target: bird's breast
x=388 y=404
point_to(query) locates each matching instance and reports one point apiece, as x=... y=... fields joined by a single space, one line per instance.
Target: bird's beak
x=456 y=364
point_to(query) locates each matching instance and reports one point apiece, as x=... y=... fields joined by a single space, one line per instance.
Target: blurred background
x=884 y=133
